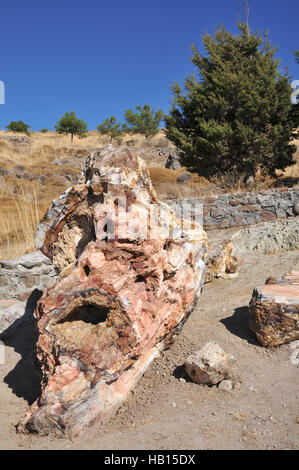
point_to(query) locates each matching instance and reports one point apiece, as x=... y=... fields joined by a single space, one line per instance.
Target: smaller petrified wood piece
x=274 y=310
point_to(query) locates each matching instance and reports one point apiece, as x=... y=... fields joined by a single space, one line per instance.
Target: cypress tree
x=236 y=115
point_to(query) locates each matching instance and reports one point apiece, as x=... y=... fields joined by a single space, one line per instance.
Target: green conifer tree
x=110 y=127
x=236 y=115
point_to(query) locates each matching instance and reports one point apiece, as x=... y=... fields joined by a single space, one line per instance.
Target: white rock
x=210 y=365
x=226 y=385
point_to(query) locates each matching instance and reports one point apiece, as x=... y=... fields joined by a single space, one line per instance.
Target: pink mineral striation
x=274 y=310
x=130 y=274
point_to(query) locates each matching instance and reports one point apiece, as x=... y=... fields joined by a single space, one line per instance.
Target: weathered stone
x=217 y=213
x=10 y=311
x=249 y=208
x=268 y=215
x=184 y=177
x=296 y=208
x=267 y=237
x=210 y=365
x=220 y=262
x=274 y=310
x=280 y=213
x=19 y=278
x=240 y=220
x=226 y=385
x=130 y=274
x=225 y=223
x=229 y=210
x=172 y=159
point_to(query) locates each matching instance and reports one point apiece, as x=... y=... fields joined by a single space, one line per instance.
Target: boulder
x=184 y=177
x=130 y=273
x=211 y=365
x=173 y=159
x=274 y=310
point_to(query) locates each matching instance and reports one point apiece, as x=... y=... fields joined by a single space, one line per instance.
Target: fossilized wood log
x=220 y=262
x=130 y=274
x=274 y=310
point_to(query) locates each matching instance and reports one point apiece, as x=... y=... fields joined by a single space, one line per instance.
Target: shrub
x=18 y=126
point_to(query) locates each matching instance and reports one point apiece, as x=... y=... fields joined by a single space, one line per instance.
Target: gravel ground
x=166 y=411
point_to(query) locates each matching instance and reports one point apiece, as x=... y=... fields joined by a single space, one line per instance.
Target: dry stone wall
x=232 y=210
x=22 y=282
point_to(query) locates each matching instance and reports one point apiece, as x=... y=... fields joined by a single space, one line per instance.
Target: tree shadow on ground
x=237 y=324
x=24 y=379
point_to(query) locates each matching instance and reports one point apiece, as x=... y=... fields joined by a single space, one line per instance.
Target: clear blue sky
x=100 y=58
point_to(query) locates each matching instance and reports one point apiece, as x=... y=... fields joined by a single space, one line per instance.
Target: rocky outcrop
x=21 y=281
x=17 y=141
x=130 y=274
x=173 y=160
x=267 y=237
x=274 y=310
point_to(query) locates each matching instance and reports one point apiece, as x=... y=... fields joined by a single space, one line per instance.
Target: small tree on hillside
x=110 y=127
x=70 y=124
x=44 y=130
x=18 y=126
x=236 y=116
x=145 y=121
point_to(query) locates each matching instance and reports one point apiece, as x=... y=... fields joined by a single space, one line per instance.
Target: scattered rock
x=125 y=289
x=211 y=365
x=274 y=310
x=184 y=177
x=296 y=208
x=17 y=141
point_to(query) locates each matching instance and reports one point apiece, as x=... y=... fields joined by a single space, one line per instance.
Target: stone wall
x=232 y=210
x=22 y=282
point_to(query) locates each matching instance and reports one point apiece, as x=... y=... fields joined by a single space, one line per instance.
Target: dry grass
x=23 y=201
x=167 y=187
x=19 y=217
x=89 y=143
x=293 y=171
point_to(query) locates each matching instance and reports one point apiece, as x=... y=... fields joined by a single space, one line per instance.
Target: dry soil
x=166 y=411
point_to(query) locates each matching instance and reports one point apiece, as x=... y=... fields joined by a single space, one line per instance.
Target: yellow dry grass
x=293 y=171
x=23 y=202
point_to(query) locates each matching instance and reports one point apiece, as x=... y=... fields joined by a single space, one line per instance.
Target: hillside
x=34 y=170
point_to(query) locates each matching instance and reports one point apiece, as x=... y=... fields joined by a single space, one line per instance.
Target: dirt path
x=167 y=412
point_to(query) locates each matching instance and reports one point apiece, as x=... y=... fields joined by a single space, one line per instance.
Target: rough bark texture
x=130 y=274
x=274 y=310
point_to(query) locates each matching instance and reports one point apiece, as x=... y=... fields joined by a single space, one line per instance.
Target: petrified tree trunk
x=130 y=274
x=274 y=310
